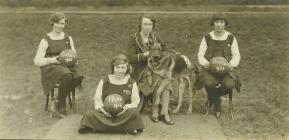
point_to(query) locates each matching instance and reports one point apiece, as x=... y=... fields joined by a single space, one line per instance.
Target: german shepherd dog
x=171 y=66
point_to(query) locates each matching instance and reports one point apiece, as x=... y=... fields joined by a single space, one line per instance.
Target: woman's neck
x=56 y=35
x=144 y=35
x=219 y=33
x=118 y=77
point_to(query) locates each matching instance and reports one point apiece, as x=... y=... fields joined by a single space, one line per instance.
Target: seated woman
x=138 y=51
x=52 y=72
x=119 y=82
x=219 y=43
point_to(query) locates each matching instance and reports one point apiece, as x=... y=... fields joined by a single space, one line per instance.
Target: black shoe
x=168 y=122
x=139 y=130
x=132 y=132
x=85 y=130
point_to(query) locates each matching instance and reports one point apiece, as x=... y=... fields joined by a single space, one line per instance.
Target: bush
x=97 y=3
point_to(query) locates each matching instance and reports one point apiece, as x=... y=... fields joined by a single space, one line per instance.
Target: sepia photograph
x=144 y=69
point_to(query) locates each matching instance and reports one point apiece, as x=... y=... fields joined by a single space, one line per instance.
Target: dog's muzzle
x=155 y=58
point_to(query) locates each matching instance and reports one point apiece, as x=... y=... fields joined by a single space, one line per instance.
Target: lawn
x=260 y=109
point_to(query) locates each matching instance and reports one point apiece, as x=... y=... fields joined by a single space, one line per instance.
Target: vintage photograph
x=144 y=69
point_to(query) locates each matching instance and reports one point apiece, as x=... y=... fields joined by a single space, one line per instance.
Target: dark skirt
x=51 y=74
x=130 y=120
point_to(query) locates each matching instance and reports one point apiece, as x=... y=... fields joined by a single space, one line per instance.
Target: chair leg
x=54 y=104
x=73 y=100
x=69 y=99
x=47 y=100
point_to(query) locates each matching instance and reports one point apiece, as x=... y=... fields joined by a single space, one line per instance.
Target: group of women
x=127 y=70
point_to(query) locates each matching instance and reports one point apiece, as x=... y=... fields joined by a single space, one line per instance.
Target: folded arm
x=133 y=54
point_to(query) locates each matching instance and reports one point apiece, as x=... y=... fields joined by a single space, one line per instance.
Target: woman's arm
x=135 y=99
x=134 y=55
x=98 y=103
x=39 y=59
x=236 y=57
x=201 y=54
x=72 y=44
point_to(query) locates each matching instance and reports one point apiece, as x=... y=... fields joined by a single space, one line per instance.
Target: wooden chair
x=71 y=99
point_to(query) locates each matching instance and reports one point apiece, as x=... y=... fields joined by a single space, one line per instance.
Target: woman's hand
x=125 y=108
x=104 y=112
x=53 y=60
x=206 y=67
x=146 y=53
x=231 y=67
x=188 y=62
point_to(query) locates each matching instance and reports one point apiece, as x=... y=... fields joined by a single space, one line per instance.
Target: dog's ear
x=150 y=45
x=163 y=46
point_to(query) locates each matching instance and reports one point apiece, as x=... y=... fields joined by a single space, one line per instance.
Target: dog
x=170 y=66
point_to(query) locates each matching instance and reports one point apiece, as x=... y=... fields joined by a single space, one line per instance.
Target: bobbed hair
x=120 y=59
x=56 y=17
x=219 y=16
x=146 y=16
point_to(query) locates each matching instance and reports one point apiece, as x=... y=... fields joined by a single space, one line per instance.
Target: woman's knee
x=210 y=83
x=209 y=80
x=78 y=80
x=228 y=83
x=133 y=112
x=90 y=114
x=66 y=77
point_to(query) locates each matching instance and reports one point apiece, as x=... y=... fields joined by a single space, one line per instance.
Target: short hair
x=146 y=16
x=219 y=16
x=56 y=17
x=120 y=59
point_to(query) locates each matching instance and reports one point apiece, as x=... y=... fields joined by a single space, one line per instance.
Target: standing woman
x=119 y=82
x=219 y=43
x=52 y=72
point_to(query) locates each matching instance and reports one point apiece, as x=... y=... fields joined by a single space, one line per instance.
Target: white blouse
x=135 y=99
x=40 y=60
x=234 y=50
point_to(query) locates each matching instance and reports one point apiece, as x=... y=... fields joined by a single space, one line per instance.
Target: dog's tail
x=199 y=82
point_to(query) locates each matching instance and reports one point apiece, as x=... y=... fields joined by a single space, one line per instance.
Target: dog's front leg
x=160 y=89
x=182 y=86
x=149 y=78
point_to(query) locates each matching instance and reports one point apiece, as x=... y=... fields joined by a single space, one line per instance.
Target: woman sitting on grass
x=119 y=82
x=52 y=72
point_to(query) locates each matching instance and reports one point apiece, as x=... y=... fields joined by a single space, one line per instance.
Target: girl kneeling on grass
x=119 y=82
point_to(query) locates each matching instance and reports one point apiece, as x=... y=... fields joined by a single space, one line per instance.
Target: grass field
x=260 y=109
